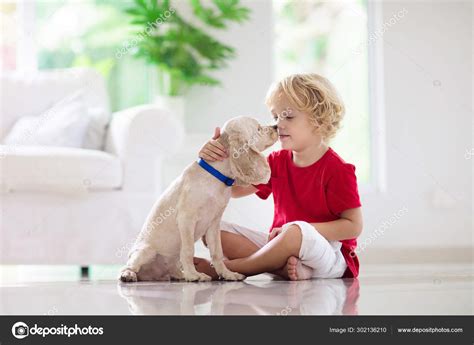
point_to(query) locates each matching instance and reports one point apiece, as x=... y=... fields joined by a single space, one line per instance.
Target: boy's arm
x=348 y=226
x=240 y=191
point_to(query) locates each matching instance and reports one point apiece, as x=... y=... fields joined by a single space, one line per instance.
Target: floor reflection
x=310 y=297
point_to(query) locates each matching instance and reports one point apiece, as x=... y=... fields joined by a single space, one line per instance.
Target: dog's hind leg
x=155 y=270
x=137 y=259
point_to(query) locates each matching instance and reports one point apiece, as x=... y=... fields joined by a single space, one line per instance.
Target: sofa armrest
x=141 y=136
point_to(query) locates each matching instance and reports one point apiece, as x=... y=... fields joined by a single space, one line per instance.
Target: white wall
x=428 y=116
x=245 y=80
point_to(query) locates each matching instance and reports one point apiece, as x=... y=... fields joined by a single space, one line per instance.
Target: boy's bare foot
x=204 y=266
x=296 y=270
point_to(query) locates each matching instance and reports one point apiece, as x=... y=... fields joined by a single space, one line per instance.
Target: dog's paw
x=176 y=274
x=204 y=277
x=128 y=276
x=229 y=275
x=197 y=276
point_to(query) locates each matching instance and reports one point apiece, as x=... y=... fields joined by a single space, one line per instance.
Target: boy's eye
x=282 y=117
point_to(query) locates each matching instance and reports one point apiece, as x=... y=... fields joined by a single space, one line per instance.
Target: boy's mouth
x=282 y=136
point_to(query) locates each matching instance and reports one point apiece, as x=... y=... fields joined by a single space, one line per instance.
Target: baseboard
x=417 y=255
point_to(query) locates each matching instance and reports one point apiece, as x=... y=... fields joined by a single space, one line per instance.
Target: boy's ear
x=316 y=127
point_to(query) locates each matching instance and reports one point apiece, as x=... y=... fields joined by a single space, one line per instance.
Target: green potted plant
x=184 y=54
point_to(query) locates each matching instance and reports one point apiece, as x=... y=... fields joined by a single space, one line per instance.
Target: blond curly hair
x=314 y=95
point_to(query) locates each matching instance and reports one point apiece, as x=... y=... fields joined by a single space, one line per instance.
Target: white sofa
x=78 y=206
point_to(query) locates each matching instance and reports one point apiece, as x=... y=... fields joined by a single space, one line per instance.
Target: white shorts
x=323 y=256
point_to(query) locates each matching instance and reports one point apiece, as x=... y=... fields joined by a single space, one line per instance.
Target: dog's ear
x=247 y=164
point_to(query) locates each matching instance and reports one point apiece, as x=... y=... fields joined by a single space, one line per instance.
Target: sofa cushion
x=65 y=124
x=30 y=94
x=58 y=169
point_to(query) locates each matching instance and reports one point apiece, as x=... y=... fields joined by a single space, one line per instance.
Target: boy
x=317 y=213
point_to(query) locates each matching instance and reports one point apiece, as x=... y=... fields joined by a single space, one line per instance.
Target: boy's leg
x=246 y=256
x=271 y=257
x=236 y=246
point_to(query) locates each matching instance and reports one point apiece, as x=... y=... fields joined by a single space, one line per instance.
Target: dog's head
x=246 y=138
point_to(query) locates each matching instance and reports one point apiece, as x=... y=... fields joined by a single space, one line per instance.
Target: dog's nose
x=274 y=127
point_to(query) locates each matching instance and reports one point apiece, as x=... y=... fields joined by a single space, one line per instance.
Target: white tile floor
x=381 y=290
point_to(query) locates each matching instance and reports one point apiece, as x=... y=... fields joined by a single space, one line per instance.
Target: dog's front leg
x=213 y=239
x=186 y=228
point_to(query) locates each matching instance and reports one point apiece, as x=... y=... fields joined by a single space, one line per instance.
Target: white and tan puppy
x=192 y=207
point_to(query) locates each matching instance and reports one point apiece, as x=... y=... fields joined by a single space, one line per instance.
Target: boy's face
x=295 y=131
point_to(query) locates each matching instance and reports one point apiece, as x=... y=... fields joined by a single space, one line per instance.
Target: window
x=86 y=33
x=9 y=37
x=331 y=39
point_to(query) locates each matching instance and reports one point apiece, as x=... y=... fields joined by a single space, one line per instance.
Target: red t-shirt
x=315 y=194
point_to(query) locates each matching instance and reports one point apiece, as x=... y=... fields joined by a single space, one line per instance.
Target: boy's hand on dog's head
x=213 y=150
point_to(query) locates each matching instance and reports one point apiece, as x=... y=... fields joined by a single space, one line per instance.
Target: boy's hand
x=274 y=233
x=213 y=150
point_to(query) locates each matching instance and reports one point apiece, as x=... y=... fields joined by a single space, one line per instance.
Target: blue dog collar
x=216 y=173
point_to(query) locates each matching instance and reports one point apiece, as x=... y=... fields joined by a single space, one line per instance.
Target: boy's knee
x=293 y=236
x=293 y=230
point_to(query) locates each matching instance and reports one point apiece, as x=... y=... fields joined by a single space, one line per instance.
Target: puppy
x=192 y=207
